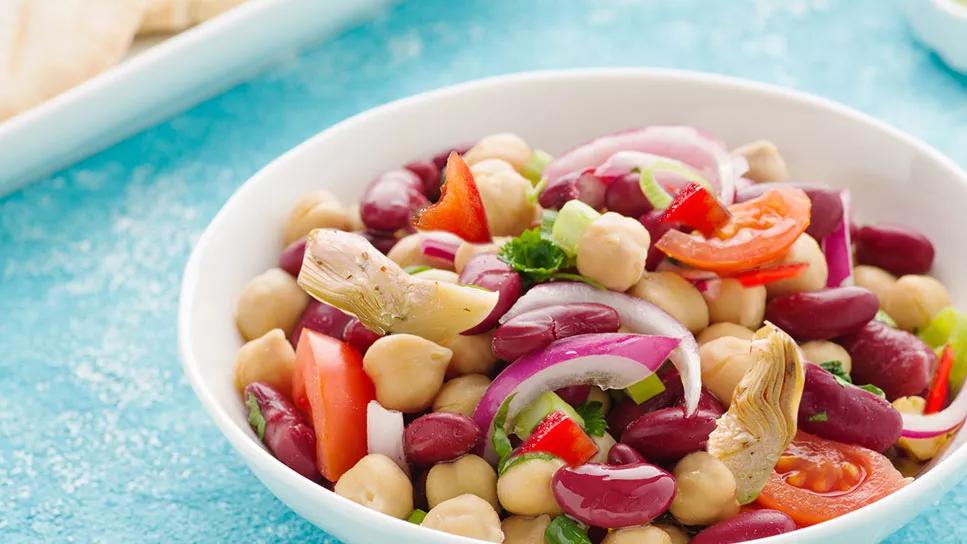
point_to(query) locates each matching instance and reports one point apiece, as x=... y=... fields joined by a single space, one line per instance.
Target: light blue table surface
x=101 y=439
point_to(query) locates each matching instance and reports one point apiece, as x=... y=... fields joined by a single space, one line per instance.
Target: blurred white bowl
x=942 y=25
x=892 y=175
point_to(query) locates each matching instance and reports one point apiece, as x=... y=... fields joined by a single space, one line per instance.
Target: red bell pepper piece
x=561 y=437
x=696 y=207
x=460 y=209
x=937 y=394
x=769 y=274
x=336 y=390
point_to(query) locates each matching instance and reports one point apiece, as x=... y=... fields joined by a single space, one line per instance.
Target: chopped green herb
x=819 y=416
x=518 y=459
x=593 y=415
x=501 y=441
x=255 y=418
x=534 y=257
x=564 y=530
x=884 y=317
x=836 y=369
x=417 y=516
x=416 y=269
x=873 y=389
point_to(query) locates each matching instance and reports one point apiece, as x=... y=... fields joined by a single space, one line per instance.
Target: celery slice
x=571 y=222
x=654 y=192
x=949 y=326
x=541 y=407
x=534 y=167
x=646 y=389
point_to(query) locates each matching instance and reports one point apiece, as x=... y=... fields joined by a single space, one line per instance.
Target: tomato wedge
x=760 y=231
x=940 y=387
x=696 y=207
x=336 y=391
x=817 y=479
x=560 y=436
x=460 y=209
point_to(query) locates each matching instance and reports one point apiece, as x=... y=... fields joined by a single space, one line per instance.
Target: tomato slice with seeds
x=760 y=231
x=817 y=480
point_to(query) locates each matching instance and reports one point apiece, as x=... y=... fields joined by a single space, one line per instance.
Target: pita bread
x=177 y=15
x=47 y=47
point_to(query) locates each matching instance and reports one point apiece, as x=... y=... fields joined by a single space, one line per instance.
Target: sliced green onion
x=654 y=192
x=573 y=219
x=646 y=389
x=536 y=190
x=535 y=165
x=417 y=516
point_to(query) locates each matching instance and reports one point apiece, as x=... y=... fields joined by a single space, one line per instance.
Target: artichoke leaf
x=761 y=422
x=344 y=270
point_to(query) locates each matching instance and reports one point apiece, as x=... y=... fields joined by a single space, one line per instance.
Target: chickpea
x=724 y=362
x=505 y=146
x=600 y=395
x=765 y=162
x=805 y=250
x=734 y=303
x=407 y=371
x=706 y=490
x=677 y=534
x=875 y=279
x=675 y=295
x=473 y=354
x=645 y=534
x=355 y=220
x=315 y=210
x=719 y=330
x=821 y=351
x=468 y=474
x=466 y=515
x=525 y=488
x=613 y=250
x=525 y=530
x=466 y=251
x=506 y=197
x=921 y=449
x=271 y=300
x=435 y=274
x=913 y=301
x=270 y=359
x=409 y=252
x=461 y=395
x=377 y=482
x=604 y=443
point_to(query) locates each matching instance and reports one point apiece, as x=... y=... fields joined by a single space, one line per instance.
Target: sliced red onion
x=938 y=423
x=690 y=145
x=838 y=248
x=384 y=433
x=706 y=281
x=440 y=244
x=607 y=360
x=637 y=315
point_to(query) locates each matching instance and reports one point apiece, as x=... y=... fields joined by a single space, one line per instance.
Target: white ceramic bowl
x=893 y=176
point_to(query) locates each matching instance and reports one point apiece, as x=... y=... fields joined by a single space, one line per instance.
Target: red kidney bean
x=624 y=196
x=382 y=241
x=321 y=317
x=391 y=199
x=825 y=314
x=627 y=411
x=846 y=413
x=667 y=435
x=489 y=272
x=534 y=330
x=440 y=159
x=623 y=454
x=287 y=434
x=438 y=437
x=291 y=258
x=575 y=395
x=896 y=249
x=656 y=228
x=826 y=211
x=429 y=174
x=896 y=361
x=358 y=336
x=584 y=187
x=613 y=496
x=750 y=525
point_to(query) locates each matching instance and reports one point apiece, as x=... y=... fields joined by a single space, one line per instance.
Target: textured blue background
x=101 y=439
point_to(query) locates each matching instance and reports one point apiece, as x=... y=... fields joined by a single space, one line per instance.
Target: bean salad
x=648 y=339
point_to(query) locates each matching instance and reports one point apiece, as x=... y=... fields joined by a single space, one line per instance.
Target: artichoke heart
x=761 y=422
x=344 y=270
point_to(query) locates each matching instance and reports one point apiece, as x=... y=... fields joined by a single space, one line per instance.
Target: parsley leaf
x=873 y=389
x=517 y=459
x=534 y=257
x=501 y=441
x=255 y=418
x=593 y=415
x=821 y=417
x=836 y=369
x=564 y=530
x=417 y=516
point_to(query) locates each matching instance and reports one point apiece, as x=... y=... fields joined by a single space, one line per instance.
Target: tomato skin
x=460 y=209
x=762 y=276
x=760 y=231
x=336 y=390
x=696 y=207
x=808 y=507
x=560 y=436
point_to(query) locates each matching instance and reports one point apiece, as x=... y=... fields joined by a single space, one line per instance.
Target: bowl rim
x=940 y=475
